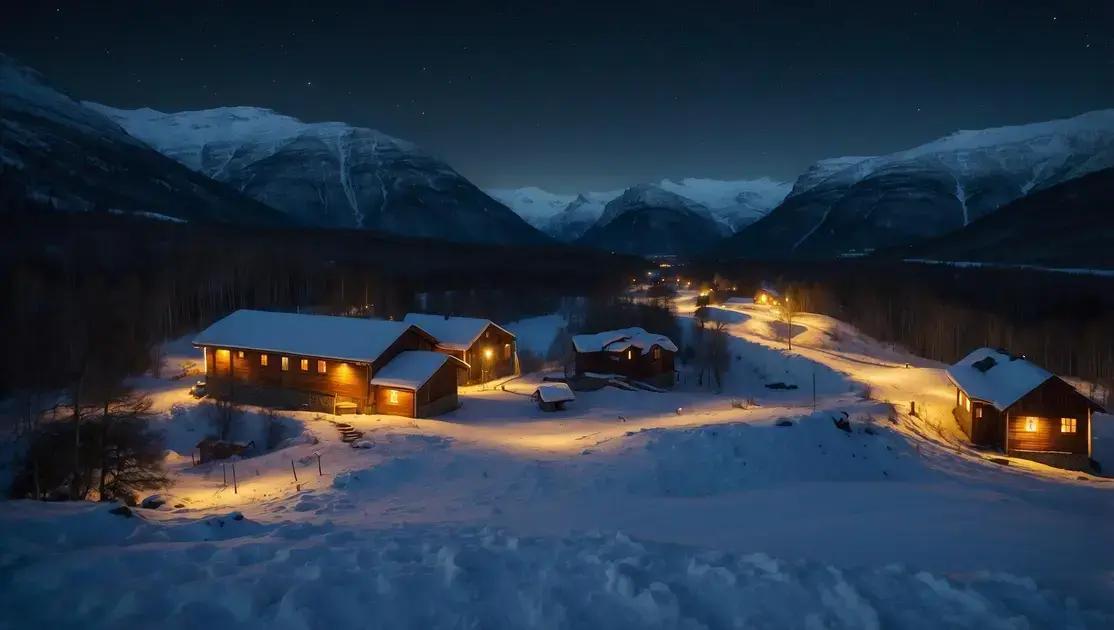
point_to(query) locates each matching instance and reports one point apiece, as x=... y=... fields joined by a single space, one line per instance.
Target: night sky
x=583 y=97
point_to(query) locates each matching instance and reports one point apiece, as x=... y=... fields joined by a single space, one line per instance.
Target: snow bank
x=726 y=458
x=477 y=578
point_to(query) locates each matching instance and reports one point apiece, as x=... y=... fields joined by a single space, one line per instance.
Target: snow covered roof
x=620 y=340
x=554 y=392
x=412 y=369
x=454 y=333
x=997 y=377
x=344 y=338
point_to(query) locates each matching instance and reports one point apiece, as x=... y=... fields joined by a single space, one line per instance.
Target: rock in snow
x=328 y=174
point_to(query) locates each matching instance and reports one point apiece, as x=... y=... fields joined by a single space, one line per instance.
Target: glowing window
x=978 y=411
x=630 y=354
x=263 y=360
x=285 y=364
x=240 y=354
x=304 y=364
x=1067 y=425
x=392 y=396
x=506 y=351
x=320 y=366
x=1030 y=424
x=967 y=403
x=657 y=353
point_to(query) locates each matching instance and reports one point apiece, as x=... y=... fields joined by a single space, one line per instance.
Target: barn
x=767 y=295
x=630 y=352
x=489 y=350
x=326 y=363
x=1007 y=402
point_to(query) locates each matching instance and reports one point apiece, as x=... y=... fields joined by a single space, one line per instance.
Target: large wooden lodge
x=333 y=364
x=1008 y=402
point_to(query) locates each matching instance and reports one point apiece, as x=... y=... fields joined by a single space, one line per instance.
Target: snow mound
x=712 y=460
x=477 y=578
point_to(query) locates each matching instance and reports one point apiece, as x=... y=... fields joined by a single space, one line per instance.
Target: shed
x=553 y=396
x=1007 y=402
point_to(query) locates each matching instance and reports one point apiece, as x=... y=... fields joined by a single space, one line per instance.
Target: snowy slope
x=535 y=205
x=630 y=509
x=328 y=174
x=60 y=154
x=735 y=203
x=854 y=205
x=647 y=219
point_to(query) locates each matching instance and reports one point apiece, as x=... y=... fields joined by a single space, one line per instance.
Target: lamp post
x=485 y=369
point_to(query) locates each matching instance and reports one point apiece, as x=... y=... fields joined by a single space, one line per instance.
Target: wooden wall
x=344 y=379
x=641 y=366
x=1050 y=402
x=982 y=431
x=404 y=406
x=504 y=350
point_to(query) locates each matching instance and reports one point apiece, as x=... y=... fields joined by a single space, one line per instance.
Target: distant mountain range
x=853 y=206
x=253 y=166
x=732 y=203
x=56 y=153
x=328 y=174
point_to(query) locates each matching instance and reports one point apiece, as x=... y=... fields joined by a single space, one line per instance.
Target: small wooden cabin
x=314 y=362
x=1007 y=402
x=489 y=350
x=767 y=296
x=553 y=396
x=630 y=352
x=417 y=384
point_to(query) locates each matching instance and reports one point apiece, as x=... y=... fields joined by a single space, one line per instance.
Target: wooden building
x=489 y=350
x=1007 y=402
x=630 y=352
x=767 y=295
x=319 y=362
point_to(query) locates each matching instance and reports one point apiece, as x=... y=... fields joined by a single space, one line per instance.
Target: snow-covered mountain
x=647 y=219
x=854 y=205
x=59 y=154
x=328 y=174
x=733 y=203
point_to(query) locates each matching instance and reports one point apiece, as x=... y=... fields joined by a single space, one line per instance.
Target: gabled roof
x=997 y=377
x=343 y=338
x=555 y=392
x=413 y=368
x=620 y=340
x=453 y=333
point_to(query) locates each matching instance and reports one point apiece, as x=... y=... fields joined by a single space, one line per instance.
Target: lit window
x=286 y=364
x=304 y=364
x=630 y=354
x=240 y=354
x=1031 y=424
x=1067 y=425
x=506 y=351
x=263 y=360
x=657 y=353
x=978 y=411
x=967 y=403
x=320 y=366
x=392 y=396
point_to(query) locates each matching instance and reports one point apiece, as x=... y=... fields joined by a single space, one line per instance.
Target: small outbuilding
x=630 y=352
x=417 y=384
x=211 y=449
x=1007 y=402
x=553 y=396
x=488 y=350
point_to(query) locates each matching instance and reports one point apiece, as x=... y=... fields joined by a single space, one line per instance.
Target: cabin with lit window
x=767 y=296
x=332 y=364
x=630 y=352
x=1007 y=402
x=489 y=350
